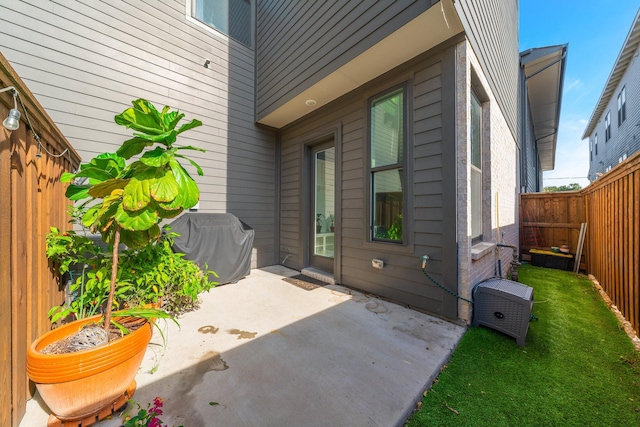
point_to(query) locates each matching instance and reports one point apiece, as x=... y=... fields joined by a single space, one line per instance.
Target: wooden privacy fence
x=611 y=208
x=552 y=219
x=31 y=200
x=613 y=213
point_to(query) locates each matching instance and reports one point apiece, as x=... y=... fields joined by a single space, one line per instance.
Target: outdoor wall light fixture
x=12 y=122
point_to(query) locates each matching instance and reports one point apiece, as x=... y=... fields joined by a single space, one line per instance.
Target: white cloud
x=577 y=83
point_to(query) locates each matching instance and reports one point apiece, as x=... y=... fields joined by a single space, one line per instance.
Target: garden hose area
x=424 y=264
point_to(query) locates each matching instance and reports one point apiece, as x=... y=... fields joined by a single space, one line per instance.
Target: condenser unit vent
x=503 y=305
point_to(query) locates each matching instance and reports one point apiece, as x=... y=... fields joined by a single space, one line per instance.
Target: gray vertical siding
x=492 y=29
x=86 y=60
x=301 y=42
x=431 y=186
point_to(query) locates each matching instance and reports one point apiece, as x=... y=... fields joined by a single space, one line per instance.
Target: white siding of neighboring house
x=85 y=61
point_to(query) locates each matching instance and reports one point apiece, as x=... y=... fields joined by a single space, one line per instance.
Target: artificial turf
x=579 y=368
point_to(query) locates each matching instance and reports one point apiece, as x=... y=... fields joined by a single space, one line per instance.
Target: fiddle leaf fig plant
x=126 y=200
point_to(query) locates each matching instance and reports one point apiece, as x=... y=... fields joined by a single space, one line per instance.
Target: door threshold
x=323 y=276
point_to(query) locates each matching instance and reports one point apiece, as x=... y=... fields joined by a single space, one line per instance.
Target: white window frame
x=622 y=106
x=607 y=126
x=189 y=15
x=476 y=191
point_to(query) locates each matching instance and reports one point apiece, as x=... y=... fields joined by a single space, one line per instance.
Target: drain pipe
x=514 y=261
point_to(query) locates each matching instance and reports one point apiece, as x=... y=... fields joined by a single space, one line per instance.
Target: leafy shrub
x=146 y=276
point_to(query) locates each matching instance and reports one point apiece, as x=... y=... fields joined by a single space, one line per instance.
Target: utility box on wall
x=503 y=305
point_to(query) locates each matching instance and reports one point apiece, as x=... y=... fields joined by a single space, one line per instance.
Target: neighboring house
x=541 y=81
x=343 y=132
x=613 y=130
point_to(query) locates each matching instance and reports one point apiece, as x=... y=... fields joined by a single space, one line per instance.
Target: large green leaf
x=95 y=173
x=194 y=164
x=138 y=239
x=157 y=157
x=142 y=117
x=141 y=171
x=166 y=138
x=137 y=194
x=108 y=208
x=192 y=124
x=67 y=176
x=90 y=216
x=105 y=188
x=171 y=118
x=133 y=147
x=191 y=147
x=77 y=192
x=168 y=214
x=143 y=219
x=110 y=162
x=189 y=194
x=164 y=188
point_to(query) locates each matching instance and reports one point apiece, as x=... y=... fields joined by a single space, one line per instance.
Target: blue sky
x=595 y=31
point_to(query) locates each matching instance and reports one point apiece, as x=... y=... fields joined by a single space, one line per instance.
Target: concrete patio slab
x=263 y=352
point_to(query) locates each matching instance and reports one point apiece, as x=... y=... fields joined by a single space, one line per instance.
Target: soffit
x=544 y=72
x=439 y=23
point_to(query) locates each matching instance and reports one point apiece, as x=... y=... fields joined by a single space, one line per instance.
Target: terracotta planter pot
x=76 y=385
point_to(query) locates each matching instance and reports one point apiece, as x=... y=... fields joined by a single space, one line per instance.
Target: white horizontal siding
x=86 y=61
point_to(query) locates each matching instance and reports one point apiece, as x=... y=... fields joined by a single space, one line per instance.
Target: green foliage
x=394 y=232
x=578 y=367
x=134 y=198
x=571 y=187
x=69 y=248
x=125 y=202
x=145 y=276
x=175 y=280
x=145 y=417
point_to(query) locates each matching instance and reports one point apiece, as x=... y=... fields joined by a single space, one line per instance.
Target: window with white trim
x=476 y=168
x=607 y=127
x=595 y=143
x=622 y=106
x=231 y=17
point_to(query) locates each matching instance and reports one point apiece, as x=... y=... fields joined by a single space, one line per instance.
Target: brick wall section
x=500 y=162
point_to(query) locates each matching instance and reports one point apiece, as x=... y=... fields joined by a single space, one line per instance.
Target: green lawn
x=578 y=368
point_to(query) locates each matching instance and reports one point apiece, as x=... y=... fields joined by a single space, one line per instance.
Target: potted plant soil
x=124 y=201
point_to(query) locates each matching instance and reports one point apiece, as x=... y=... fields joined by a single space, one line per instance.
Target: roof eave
x=629 y=46
x=544 y=69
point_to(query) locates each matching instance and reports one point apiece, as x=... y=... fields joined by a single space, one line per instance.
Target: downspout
x=523 y=131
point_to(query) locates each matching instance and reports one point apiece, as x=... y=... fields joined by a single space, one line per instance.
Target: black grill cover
x=219 y=240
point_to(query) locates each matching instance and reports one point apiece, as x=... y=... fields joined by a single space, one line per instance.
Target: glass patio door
x=323 y=208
